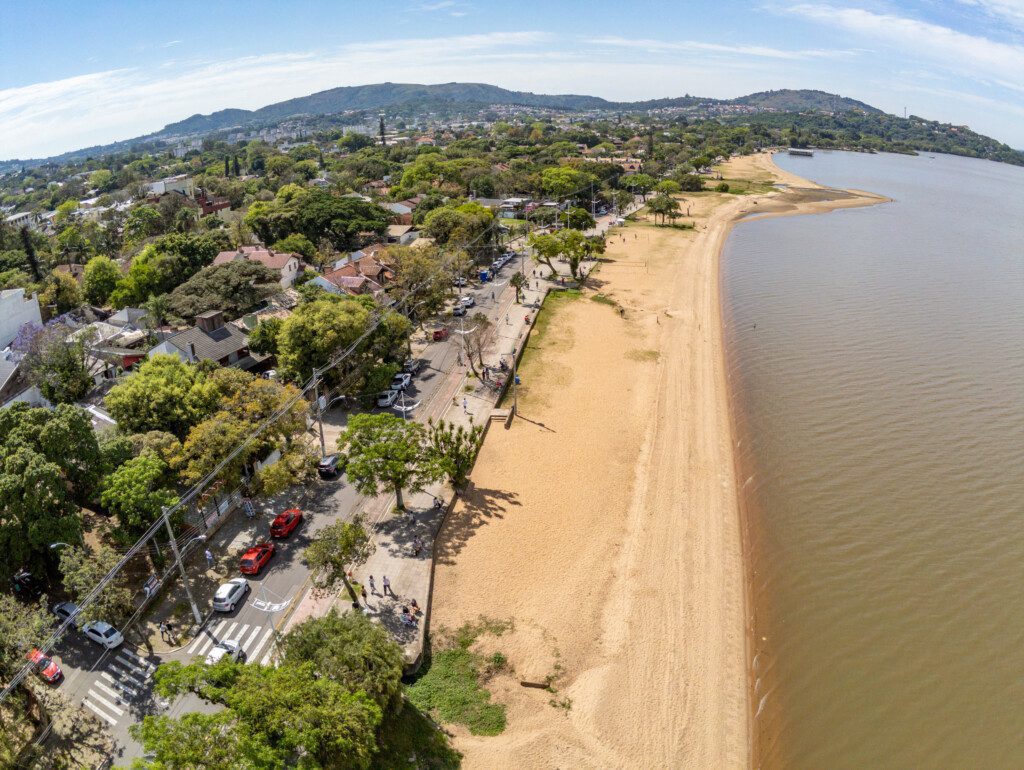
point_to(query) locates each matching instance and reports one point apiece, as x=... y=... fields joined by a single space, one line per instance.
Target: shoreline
x=609 y=523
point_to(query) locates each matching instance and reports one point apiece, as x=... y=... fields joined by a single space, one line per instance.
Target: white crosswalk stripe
x=96 y=697
x=101 y=714
x=241 y=632
x=229 y=632
x=119 y=684
x=125 y=678
x=109 y=691
x=259 y=645
x=144 y=672
x=129 y=675
x=146 y=664
x=248 y=642
x=203 y=639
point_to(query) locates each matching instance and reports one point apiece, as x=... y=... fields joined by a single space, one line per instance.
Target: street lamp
x=55 y=546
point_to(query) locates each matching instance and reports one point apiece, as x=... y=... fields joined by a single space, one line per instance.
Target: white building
x=15 y=312
x=182 y=183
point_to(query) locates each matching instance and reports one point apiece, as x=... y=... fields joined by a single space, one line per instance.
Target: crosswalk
x=125 y=677
x=252 y=638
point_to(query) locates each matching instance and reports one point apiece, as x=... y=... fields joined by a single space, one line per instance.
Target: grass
x=410 y=741
x=450 y=686
x=604 y=299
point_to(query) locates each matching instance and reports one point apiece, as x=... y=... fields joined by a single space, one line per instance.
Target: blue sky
x=82 y=73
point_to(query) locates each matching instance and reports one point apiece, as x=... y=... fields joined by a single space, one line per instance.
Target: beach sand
x=605 y=523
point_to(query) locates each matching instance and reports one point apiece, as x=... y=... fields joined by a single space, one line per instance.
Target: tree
x=353 y=141
x=315 y=331
x=454 y=449
x=165 y=394
x=100 y=278
x=352 y=650
x=519 y=282
x=141 y=223
x=337 y=549
x=227 y=166
x=622 y=199
x=668 y=187
x=476 y=339
x=136 y=494
x=235 y=167
x=167 y=263
x=30 y=252
x=22 y=625
x=82 y=570
x=383 y=450
x=235 y=287
x=197 y=741
x=263 y=339
x=102 y=180
x=640 y=183
x=57 y=364
x=156 y=307
x=61 y=292
x=579 y=219
x=663 y=205
x=420 y=275
x=545 y=248
x=297 y=244
x=690 y=182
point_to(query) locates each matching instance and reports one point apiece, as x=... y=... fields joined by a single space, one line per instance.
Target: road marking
x=119 y=697
x=128 y=675
x=147 y=664
x=100 y=714
x=206 y=645
x=259 y=645
x=253 y=635
x=205 y=635
x=96 y=696
x=143 y=672
x=118 y=683
x=227 y=634
x=241 y=633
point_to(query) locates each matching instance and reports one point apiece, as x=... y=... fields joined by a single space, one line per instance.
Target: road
x=117 y=685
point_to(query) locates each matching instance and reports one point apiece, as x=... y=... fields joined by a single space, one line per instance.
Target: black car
x=329 y=466
x=412 y=366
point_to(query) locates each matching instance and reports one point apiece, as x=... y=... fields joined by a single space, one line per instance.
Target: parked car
x=412 y=366
x=467 y=301
x=65 y=610
x=103 y=634
x=329 y=466
x=45 y=667
x=230 y=594
x=285 y=523
x=460 y=281
x=229 y=649
x=401 y=381
x=459 y=310
x=256 y=558
x=440 y=335
x=387 y=398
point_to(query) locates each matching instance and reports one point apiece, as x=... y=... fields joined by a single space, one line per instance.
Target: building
x=287 y=265
x=23 y=219
x=210 y=340
x=403 y=235
x=15 y=312
x=182 y=183
x=209 y=204
x=135 y=317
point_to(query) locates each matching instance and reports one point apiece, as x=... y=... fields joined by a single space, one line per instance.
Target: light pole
x=319 y=417
x=181 y=567
x=515 y=382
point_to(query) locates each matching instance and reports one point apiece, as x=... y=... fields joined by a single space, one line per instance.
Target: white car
x=229 y=649
x=103 y=634
x=387 y=398
x=401 y=381
x=230 y=594
x=459 y=282
x=467 y=301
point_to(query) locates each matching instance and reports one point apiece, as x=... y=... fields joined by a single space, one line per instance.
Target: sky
x=90 y=72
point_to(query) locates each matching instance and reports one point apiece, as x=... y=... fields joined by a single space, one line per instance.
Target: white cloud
x=1007 y=10
x=170 y=43
x=953 y=50
x=691 y=46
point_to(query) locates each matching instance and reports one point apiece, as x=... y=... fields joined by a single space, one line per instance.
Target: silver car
x=229 y=649
x=230 y=594
x=103 y=634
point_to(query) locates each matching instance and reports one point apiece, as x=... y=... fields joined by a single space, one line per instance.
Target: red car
x=45 y=667
x=256 y=558
x=285 y=523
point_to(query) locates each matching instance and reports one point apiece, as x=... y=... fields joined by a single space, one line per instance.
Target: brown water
x=876 y=358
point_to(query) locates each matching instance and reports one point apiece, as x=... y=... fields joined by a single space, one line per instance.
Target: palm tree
x=156 y=308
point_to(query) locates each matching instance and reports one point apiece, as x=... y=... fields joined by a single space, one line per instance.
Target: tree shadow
x=479 y=505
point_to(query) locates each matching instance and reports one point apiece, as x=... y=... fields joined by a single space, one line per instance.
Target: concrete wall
x=15 y=311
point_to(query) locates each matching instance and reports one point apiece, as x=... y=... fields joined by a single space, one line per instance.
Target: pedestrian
x=387 y=586
x=365 y=597
x=507 y=322
x=534 y=273
x=170 y=632
x=163 y=631
x=465 y=406
x=492 y=296
x=209 y=558
x=373 y=586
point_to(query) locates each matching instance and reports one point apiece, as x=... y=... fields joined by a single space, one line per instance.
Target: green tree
x=640 y=183
x=352 y=650
x=519 y=282
x=690 y=182
x=317 y=330
x=102 y=180
x=22 y=625
x=668 y=187
x=100 y=278
x=58 y=364
x=166 y=263
x=165 y=394
x=141 y=223
x=420 y=275
x=337 y=549
x=235 y=167
x=297 y=244
x=196 y=741
x=82 y=569
x=235 y=287
x=383 y=450
x=579 y=219
x=663 y=205
x=135 y=492
x=29 y=249
x=263 y=339
x=454 y=449
x=61 y=293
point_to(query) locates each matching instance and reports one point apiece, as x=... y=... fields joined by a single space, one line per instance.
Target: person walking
x=170 y=632
x=365 y=597
x=507 y=322
x=387 y=587
x=209 y=558
x=465 y=406
x=163 y=631
x=373 y=586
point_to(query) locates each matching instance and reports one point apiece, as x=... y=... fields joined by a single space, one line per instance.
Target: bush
x=722 y=187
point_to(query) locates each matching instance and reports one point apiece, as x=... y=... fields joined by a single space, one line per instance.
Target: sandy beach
x=606 y=523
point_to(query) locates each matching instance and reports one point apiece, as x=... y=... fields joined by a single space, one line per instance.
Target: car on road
x=329 y=466
x=65 y=610
x=467 y=301
x=440 y=335
x=45 y=667
x=387 y=398
x=230 y=594
x=229 y=649
x=459 y=310
x=460 y=281
x=256 y=558
x=285 y=523
x=103 y=634
x=412 y=366
x=401 y=381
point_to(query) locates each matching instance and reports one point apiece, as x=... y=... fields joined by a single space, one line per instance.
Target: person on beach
x=373 y=586
x=387 y=587
x=415 y=606
x=465 y=406
x=365 y=597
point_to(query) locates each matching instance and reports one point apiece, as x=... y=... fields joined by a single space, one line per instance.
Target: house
x=23 y=219
x=182 y=183
x=286 y=264
x=209 y=204
x=15 y=312
x=135 y=317
x=210 y=340
x=403 y=235
x=402 y=211
x=341 y=282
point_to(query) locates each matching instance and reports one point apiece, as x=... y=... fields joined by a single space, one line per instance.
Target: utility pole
x=181 y=567
x=319 y=416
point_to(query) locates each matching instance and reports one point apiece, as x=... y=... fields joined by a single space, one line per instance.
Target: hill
x=789 y=100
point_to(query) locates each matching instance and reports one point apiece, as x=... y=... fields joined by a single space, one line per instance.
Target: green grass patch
x=410 y=741
x=450 y=683
x=604 y=299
